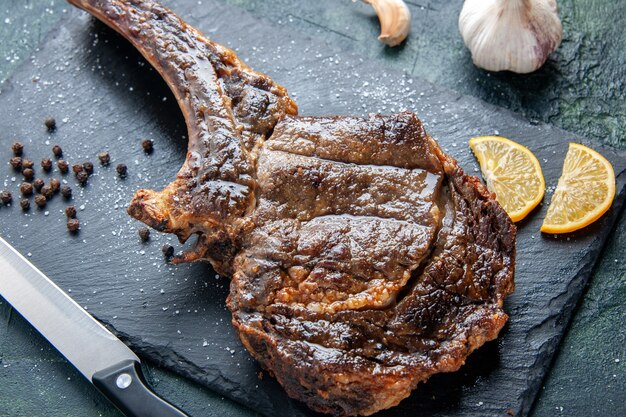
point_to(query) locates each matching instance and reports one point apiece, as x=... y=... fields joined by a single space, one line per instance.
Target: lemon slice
x=584 y=193
x=512 y=172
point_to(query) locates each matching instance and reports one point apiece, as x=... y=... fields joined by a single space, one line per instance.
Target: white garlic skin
x=510 y=35
x=395 y=20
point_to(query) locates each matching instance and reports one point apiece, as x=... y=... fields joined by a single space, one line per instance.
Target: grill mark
x=346 y=164
x=322 y=217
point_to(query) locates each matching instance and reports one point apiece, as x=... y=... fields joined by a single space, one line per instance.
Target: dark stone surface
x=588 y=378
x=581 y=88
x=120 y=112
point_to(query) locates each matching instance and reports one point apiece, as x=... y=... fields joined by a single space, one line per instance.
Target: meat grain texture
x=363 y=259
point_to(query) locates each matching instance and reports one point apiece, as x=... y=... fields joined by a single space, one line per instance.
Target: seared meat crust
x=229 y=109
x=364 y=276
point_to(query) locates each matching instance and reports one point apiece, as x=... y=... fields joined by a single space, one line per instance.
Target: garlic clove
x=510 y=35
x=395 y=20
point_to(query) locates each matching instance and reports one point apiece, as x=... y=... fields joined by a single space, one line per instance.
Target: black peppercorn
x=28 y=174
x=147 y=146
x=16 y=163
x=27 y=163
x=26 y=188
x=40 y=200
x=73 y=225
x=168 y=250
x=82 y=178
x=77 y=168
x=66 y=192
x=50 y=123
x=46 y=164
x=63 y=166
x=18 y=148
x=25 y=204
x=88 y=167
x=121 y=170
x=104 y=158
x=144 y=234
x=6 y=197
x=47 y=192
x=70 y=212
x=38 y=183
x=57 y=151
x=55 y=184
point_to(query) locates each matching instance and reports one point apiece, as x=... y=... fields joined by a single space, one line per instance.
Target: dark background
x=580 y=89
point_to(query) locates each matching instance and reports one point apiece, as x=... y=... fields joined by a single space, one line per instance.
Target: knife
x=100 y=356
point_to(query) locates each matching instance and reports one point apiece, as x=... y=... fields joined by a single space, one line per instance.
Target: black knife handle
x=125 y=386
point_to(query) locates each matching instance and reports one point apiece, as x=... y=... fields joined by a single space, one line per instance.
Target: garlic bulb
x=510 y=35
x=395 y=20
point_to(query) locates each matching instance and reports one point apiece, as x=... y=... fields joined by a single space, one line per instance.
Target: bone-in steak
x=363 y=259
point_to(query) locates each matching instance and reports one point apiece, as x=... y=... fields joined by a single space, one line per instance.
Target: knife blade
x=100 y=356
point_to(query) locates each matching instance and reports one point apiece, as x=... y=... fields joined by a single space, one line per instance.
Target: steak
x=374 y=262
x=363 y=259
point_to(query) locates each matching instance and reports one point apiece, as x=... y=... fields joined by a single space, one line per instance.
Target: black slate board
x=105 y=96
